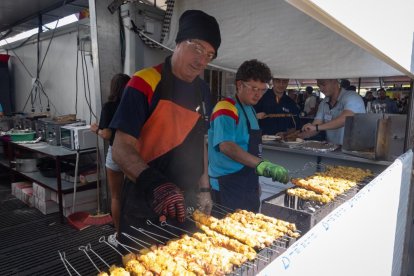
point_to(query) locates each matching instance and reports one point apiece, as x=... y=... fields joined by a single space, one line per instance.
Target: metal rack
x=57 y=153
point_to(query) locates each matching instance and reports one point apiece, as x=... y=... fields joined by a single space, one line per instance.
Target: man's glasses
x=200 y=51
x=256 y=89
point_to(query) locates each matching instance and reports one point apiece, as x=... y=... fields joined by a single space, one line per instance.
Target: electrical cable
x=122 y=38
x=6 y=34
x=76 y=71
x=88 y=101
x=48 y=46
x=47 y=97
x=89 y=90
x=24 y=66
x=84 y=84
x=28 y=97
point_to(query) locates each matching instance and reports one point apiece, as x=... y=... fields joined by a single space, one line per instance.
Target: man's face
x=250 y=92
x=190 y=58
x=328 y=86
x=280 y=85
x=381 y=95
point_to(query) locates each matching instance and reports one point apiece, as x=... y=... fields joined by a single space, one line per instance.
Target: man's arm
x=338 y=122
x=204 y=181
x=235 y=152
x=126 y=156
x=309 y=129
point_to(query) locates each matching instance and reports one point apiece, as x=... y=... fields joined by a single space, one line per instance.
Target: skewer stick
x=165 y=230
x=229 y=210
x=130 y=248
x=83 y=248
x=343 y=196
x=273 y=250
x=102 y=240
x=136 y=240
x=250 y=264
x=247 y=264
x=191 y=219
x=278 y=245
x=221 y=213
x=262 y=258
x=89 y=247
x=164 y=223
x=142 y=231
x=283 y=239
x=190 y=210
x=66 y=263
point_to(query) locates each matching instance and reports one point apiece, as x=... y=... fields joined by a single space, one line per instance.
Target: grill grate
x=41 y=253
x=30 y=241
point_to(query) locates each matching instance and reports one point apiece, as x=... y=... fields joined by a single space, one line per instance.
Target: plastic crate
x=27 y=136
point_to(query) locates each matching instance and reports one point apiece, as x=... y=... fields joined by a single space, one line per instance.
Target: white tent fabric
x=386 y=25
x=291 y=43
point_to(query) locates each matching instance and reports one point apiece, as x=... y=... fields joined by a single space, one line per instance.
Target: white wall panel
x=58 y=76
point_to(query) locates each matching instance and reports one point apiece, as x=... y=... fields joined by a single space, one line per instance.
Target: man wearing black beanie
x=160 y=126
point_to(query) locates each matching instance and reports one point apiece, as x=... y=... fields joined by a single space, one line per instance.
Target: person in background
x=345 y=84
x=276 y=111
x=369 y=97
x=292 y=94
x=310 y=102
x=234 y=140
x=383 y=100
x=115 y=177
x=351 y=88
x=333 y=110
x=404 y=105
x=301 y=100
x=161 y=125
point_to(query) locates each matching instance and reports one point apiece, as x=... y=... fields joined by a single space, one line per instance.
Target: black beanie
x=196 y=24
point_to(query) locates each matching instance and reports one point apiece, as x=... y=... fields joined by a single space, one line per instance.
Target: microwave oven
x=77 y=137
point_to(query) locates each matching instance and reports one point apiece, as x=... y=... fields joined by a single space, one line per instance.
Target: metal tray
x=305 y=214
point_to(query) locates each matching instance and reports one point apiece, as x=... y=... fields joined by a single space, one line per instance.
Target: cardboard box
x=81 y=197
x=16 y=188
x=46 y=207
x=42 y=193
x=88 y=176
x=27 y=196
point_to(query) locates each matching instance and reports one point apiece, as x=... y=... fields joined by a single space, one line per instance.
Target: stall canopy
x=299 y=39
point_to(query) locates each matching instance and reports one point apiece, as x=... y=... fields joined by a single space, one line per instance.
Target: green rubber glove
x=276 y=172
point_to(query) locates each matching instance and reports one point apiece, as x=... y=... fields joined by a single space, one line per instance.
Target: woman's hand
x=94 y=128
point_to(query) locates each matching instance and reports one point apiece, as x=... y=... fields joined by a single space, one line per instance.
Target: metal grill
x=303 y=212
x=29 y=240
x=83 y=265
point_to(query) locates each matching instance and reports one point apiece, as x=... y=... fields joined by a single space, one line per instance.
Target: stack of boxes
x=46 y=200
x=23 y=191
x=85 y=201
x=43 y=199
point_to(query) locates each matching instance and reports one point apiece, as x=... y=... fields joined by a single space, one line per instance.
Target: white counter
x=363 y=236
